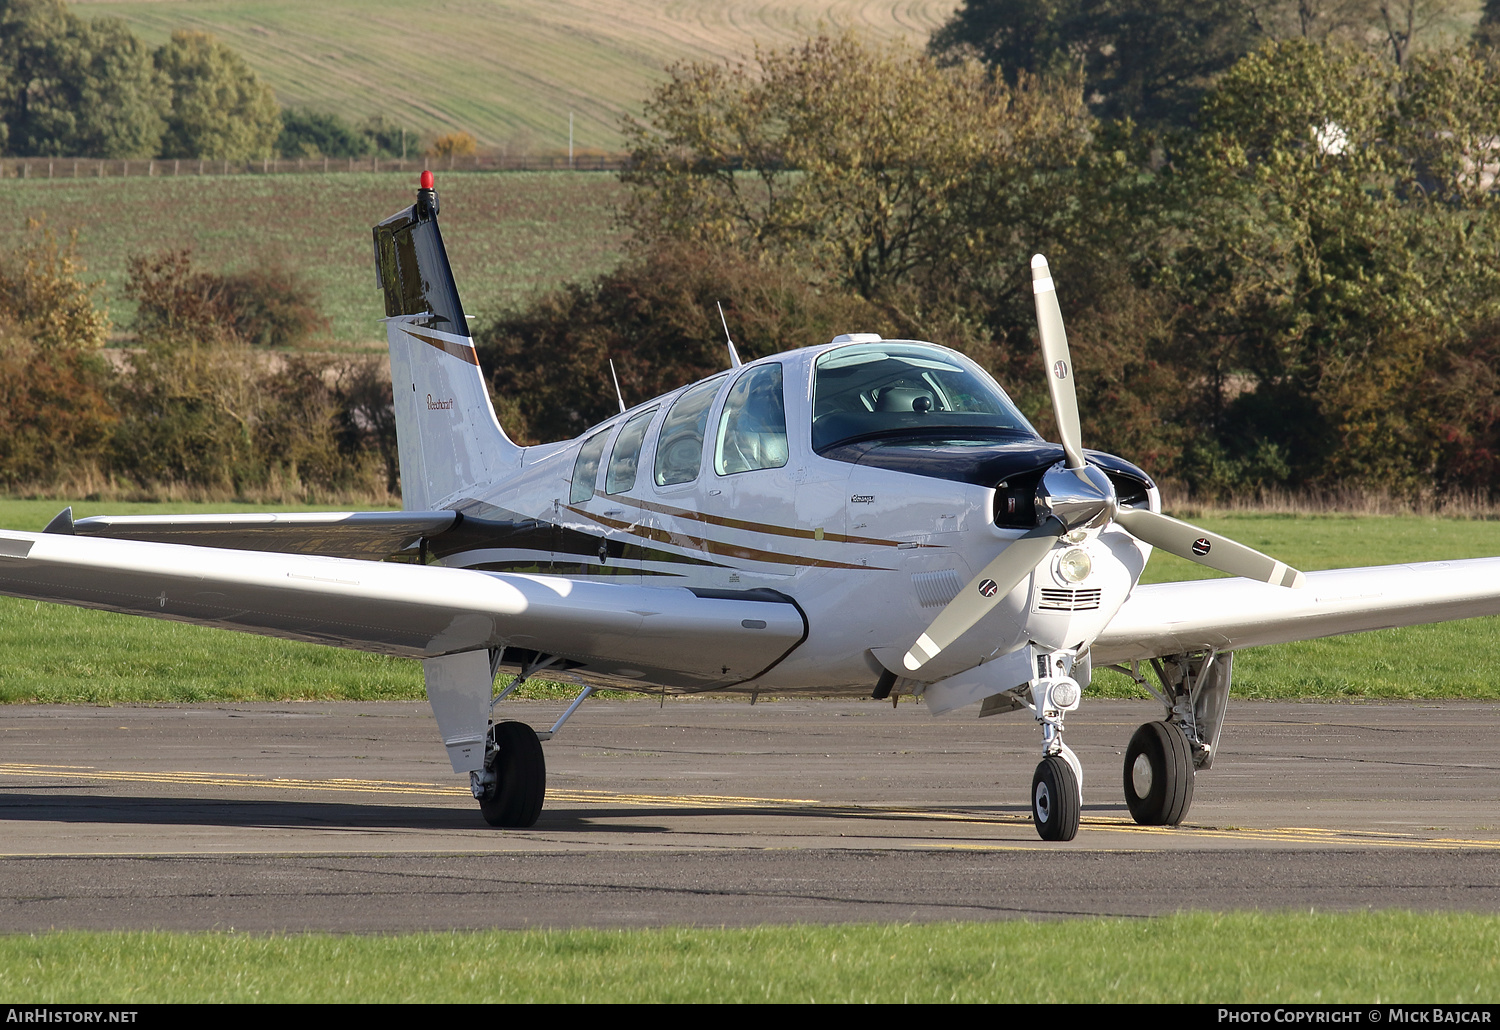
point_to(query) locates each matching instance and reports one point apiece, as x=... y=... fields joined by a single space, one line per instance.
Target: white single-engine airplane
x=866 y=513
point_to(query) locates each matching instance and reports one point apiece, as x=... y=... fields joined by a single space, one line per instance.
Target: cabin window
x=679 y=445
x=626 y=456
x=752 y=429
x=586 y=468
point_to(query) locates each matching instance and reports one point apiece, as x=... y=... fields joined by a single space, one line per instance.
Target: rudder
x=448 y=438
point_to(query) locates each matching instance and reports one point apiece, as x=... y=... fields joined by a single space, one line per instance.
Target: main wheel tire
x=1159 y=775
x=1054 y=799
x=520 y=777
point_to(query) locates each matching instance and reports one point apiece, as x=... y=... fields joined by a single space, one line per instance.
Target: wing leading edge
x=660 y=635
x=1229 y=614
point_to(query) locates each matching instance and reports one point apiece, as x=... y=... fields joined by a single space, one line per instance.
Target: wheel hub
x=1043 y=802
x=1140 y=776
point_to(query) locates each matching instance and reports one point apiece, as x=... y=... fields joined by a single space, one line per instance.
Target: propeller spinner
x=1076 y=495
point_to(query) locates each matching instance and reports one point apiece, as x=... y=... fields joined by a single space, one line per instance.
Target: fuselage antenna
x=734 y=357
x=618 y=395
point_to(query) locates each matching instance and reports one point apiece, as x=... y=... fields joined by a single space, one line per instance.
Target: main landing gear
x=1159 y=775
x=514 y=782
x=1163 y=758
x=512 y=785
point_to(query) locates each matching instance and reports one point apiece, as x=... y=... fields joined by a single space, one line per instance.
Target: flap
x=338 y=534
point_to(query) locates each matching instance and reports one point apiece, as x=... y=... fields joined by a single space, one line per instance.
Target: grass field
x=508 y=234
x=61 y=654
x=1193 y=958
x=508 y=71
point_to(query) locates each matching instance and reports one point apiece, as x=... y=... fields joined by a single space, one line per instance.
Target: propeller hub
x=1079 y=498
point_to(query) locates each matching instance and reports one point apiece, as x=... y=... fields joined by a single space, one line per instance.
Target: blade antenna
x=734 y=357
x=618 y=395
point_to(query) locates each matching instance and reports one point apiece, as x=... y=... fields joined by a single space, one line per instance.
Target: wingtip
x=62 y=523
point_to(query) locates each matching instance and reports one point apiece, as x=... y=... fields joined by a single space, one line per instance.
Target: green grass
x=508 y=234
x=508 y=71
x=55 y=653
x=61 y=654
x=1195 y=958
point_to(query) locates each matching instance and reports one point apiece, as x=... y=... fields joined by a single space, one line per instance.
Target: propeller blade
x=984 y=591
x=1205 y=548
x=1049 y=325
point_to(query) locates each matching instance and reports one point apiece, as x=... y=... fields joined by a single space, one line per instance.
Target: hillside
x=509 y=234
x=509 y=71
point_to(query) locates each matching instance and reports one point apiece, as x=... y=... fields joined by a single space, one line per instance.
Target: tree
x=878 y=169
x=1402 y=21
x=73 y=88
x=220 y=109
x=55 y=415
x=268 y=306
x=1318 y=21
x=386 y=138
x=1148 y=60
x=1331 y=258
x=307 y=133
x=44 y=297
x=1487 y=32
x=453 y=144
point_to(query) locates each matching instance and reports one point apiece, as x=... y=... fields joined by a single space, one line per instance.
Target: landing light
x=1065 y=694
x=1075 y=565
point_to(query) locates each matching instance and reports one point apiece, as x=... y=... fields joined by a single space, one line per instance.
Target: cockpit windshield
x=892 y=389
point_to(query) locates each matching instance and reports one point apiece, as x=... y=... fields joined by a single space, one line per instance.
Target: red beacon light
x=426 y=181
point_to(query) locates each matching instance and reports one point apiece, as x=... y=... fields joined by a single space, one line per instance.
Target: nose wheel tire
x=520 y=769
x=1054 y=799
x=1159 y=775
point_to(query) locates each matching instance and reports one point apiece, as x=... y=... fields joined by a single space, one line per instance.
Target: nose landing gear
x=1055 y=799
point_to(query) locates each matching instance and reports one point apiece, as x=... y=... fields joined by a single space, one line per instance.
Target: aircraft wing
x=661 y=635
x=338 y=534
x=1229 y=614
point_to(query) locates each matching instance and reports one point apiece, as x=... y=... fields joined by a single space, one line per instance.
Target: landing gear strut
x=1057 y=786
x=514 y=781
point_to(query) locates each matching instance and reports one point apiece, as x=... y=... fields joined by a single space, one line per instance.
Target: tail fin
x=447 y=436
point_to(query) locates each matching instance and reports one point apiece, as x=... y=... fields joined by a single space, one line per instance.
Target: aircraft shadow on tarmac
x=185 y=811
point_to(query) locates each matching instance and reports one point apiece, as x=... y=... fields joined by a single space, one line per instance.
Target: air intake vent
x=935 y=589
x=1055 y=600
